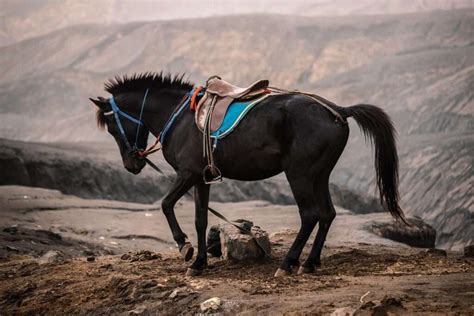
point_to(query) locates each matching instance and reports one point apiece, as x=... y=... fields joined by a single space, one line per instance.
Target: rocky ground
x=354 y=277
x=62 y=254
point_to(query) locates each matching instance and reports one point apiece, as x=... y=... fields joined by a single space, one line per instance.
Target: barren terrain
x=360 y=271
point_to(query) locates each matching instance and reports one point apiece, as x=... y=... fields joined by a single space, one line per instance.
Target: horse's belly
x=253 y=160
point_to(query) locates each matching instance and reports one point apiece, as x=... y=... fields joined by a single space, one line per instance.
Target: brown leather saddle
x=211 y=110
x=219 y=94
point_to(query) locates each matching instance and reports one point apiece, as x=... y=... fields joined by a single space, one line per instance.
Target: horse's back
x=279 y=130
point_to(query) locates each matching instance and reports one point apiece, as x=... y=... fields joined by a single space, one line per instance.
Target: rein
x=213 y=211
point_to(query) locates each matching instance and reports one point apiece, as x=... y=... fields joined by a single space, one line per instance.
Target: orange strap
x=193 y=103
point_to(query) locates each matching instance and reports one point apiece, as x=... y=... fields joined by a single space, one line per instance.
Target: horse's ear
x=101 y=103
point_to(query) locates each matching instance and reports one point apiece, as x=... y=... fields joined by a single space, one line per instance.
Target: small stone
x=469 y=251
x=140 y=310
x=149 y=284
x=437 y=252
x=174 y=293
x=211 y=305
x=90 y=258
x=367 y=305
x=107 y=266
x=53 y=257
x=11 y=230
x=11 y=248
x=126 y=256
x=87 y=253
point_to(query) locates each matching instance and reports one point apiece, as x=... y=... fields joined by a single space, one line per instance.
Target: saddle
x=219 y=94
x=211 y=110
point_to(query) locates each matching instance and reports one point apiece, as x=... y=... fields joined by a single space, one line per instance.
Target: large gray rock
x=469 y=251
x=233 y=244
x=419 y=235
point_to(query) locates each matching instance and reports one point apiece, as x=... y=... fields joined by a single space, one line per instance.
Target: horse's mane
x=147 y=80
x=141 y=82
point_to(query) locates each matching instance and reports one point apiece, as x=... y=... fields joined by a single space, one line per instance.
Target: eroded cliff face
x=93 y=170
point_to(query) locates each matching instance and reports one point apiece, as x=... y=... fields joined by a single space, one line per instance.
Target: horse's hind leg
x=327 y=214
x=302 y=188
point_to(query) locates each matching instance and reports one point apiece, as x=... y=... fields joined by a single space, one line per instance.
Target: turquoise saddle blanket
x=234 y=115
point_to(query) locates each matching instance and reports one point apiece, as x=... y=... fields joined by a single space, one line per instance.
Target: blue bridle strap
x=116 y=110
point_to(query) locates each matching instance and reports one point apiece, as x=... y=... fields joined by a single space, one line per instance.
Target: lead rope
x=213 y=211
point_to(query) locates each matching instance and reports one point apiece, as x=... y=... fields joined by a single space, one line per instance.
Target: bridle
x=116 y=112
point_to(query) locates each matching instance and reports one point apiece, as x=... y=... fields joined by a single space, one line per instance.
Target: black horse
x=288 y=133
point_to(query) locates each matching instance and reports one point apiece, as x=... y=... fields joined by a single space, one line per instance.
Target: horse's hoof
x=305 y=270
x=187 y=251
x=193 y=272
x=281 y=273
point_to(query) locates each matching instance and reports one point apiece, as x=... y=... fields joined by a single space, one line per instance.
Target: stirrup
x=211 y=175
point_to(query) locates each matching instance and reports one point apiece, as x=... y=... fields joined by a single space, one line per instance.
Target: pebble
x=52 y=256
x=437 y=252
x=211 y=305
x=138 y=311
x=174 y=293
x=11 y=248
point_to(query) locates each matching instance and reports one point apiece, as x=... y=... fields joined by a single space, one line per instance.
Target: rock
x=387 y=306
x=11 y=248
x=142 y=255
x=126 y=256
x=90 y=258
x=437 y=252
x=140 y=310
x=420 y=235
x=107 y=266
x=12 y=230
x=13 y=170
x=149 y=284
x=214 y=242
x=174 y=293
x=52 y=257
x=233 y=244
x=211 y=305
x=469 y=251
x=88 y=253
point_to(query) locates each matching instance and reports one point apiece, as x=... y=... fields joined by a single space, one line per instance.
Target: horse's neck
x=162 y=108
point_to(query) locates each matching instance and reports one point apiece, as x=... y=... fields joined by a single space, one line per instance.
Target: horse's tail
x=379 y=130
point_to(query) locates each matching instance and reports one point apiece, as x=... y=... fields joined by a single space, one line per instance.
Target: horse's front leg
x=181 y=185
x=201 y=200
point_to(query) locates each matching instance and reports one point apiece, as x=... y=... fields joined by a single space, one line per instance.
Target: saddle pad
x=234 y=115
